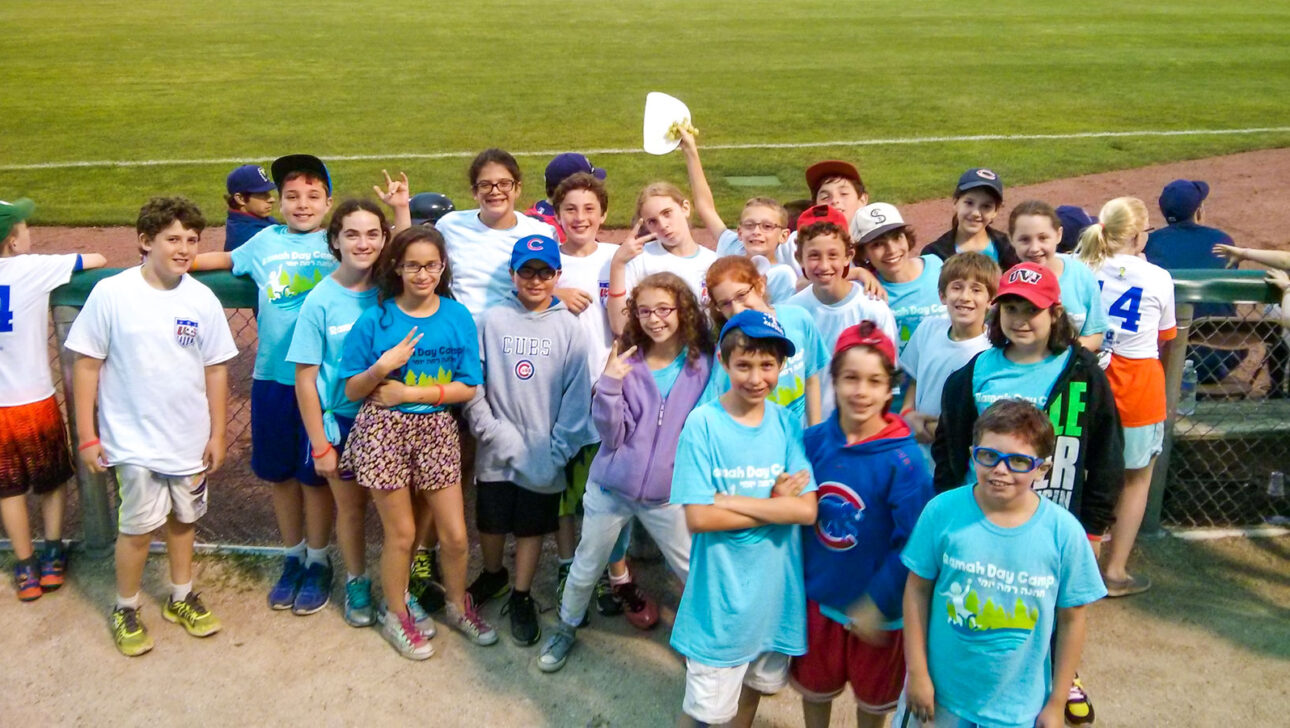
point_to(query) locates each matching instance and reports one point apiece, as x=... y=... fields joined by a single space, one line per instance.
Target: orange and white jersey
x=1139 y=301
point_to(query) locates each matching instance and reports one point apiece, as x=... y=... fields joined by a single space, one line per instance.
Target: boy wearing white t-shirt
x=152 y=342
x=940 y=346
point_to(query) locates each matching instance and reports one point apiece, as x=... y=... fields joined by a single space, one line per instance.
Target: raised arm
x=397 y=195
x=704 y=204
x=1235 y=254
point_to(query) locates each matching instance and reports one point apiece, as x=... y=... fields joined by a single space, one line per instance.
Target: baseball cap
x=872 y=220
x=535 y=247
x=1181 y=198
x=283 y=166
x=428 y=207
x=1031 y=281
x=758 y=325
x=820 y=171
x=1074 y=220
x=865 y=333
x=568 y=164
x=249 y=179
x=821 y=213
x=12 y=213
x=979 y=177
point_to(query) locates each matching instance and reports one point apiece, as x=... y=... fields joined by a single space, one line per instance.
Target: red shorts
x=33 y=448
x=835 y=657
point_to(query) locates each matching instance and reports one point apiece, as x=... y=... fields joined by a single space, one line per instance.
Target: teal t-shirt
x=664 y=378
x=285 y=267
x=915 y=300
x=745 y=594
x=326 y=317
x=811 y=358
x=447 y=352
x=994 y=603
x=995 y=378
x=1082 y=297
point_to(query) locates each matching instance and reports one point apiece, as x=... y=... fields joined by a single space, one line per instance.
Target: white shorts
x=145 y=499
x=1142 y=443
x=712 y=693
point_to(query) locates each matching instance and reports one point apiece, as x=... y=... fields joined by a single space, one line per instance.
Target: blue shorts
x=306 y=473
x=277 y=432
x=1141 y=444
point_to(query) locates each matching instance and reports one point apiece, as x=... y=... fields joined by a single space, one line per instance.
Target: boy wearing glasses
x=530 y=418
x=995 y=571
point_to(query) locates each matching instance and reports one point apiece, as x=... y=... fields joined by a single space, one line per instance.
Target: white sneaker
x=403 y=635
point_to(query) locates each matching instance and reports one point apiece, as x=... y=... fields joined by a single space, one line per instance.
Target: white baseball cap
x=873 y=220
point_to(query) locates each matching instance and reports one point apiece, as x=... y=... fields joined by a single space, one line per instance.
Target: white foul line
x=635 y=150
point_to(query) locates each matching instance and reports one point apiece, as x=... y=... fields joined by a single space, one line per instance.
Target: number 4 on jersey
x=6 y=313
x=1126 y=307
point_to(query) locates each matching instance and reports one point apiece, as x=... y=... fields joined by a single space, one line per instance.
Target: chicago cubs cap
x=568 y=164
x=249 y=179
x=820 y=171
x=758 y=325
x=1031 y=281
x=865 y=333
x=12 y=213
x=873 y=220
x=821 y=213
x=1181 y=199
x=283 y=166
x=979 y=177
x=535 y=247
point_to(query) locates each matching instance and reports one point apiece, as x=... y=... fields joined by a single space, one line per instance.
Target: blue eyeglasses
x=988 y=457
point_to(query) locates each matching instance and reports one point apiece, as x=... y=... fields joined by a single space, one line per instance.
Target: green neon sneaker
x=196 y=619
x=128 y=632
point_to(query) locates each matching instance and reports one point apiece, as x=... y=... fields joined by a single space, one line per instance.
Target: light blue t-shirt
x=995 y=378
x=745 y=594
x=447 y=352
x=664 y=378
x=328 y=313
x=915 y=300
x=285 y=267
x=811 y=358
x=1081 y=296
x=781 y=279
x=994 y=602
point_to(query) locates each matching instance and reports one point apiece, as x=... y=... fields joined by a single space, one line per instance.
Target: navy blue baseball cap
x=758 y=325
x=535 y=247
x=568 y=164
x=1074 y=220
x=283 y=166
x=1181 y=199
x=980 y=177
x=249 y=179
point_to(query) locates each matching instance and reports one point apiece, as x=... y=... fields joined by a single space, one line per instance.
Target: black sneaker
x=489 y=585
x=607 y=601
x=525 y=629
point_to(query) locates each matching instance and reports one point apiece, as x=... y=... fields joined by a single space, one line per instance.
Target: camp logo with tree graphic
x=414 y=378
x=968 y=615
x=283 y=286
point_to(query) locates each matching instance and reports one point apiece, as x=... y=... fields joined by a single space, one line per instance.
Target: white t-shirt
x=25 y=283
x=156 y=346
x=654 y=258
x=1139 y=301
x=833 y=318
x=781 y=279
x=481 y=256
x=931 y=356
x=590 y=274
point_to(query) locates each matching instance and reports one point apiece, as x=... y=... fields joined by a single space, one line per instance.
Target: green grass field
x=155 y=80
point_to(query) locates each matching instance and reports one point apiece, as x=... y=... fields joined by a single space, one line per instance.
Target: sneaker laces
x=470 y=618
x=631 y=596
x=411 y=635
x=421 y=565
x=129 y=619
x=359 y=597
x=1076 y=694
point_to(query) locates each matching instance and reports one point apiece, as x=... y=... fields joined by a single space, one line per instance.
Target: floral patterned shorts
x=389 y=449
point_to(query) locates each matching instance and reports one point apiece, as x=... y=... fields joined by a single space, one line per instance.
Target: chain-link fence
x=1229 y=431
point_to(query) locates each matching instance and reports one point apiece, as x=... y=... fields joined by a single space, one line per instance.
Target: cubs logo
x=841 y=510
x=1024 y=275
x=524 y=369
x=185 y=332
x=534 y=244
x=987 y=174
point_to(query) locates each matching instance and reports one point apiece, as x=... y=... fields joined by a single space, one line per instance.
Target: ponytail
x=1119 y=223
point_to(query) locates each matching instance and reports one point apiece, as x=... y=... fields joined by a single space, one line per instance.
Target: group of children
x=779 y=418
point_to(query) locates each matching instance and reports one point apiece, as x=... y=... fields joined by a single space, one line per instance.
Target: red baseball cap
x=865 y=333
x=1031 y=281
x=820 y=171
x=821 y=213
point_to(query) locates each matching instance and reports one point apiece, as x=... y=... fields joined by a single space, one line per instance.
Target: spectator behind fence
x=250 y=204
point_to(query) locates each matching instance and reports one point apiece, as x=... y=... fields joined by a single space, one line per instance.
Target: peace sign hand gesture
x=618 y=366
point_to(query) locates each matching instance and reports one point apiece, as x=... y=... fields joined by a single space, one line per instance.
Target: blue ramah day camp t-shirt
x=996 y=378
x=745 y=594
x=995 y=595
x=285 y=267
x=325 y=319
x=811 y=358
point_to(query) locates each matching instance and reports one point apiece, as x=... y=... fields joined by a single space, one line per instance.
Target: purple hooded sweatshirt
x=639 y=430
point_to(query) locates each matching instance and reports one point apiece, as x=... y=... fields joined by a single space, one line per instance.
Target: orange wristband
x=620 y=294
x=87 y=445
x=325 y=450
x=439 y=401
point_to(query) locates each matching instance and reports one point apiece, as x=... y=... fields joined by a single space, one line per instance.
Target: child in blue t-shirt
x=408 y=358
x=995 y=570
x=746 y=486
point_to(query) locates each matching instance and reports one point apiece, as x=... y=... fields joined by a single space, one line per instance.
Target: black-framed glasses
x=662 y=312
x=483 y=186
x=528 y=274
x=749 y=226
x=411 y=269
x=1015 y=462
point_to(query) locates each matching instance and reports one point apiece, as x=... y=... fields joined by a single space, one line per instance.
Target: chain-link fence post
x=97 y=526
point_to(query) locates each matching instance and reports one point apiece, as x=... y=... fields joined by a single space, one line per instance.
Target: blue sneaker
x=283 y=593
x=358 y=602
x=315 y=589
